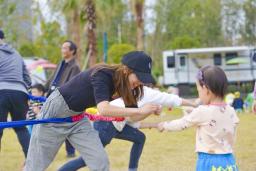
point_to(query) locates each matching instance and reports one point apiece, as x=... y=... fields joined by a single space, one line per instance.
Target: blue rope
x=35 y=98
x=21 y=123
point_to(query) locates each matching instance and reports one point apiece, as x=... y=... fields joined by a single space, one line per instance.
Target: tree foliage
x=249 y=32
x=174 y=24
x=116 y=52
x=47 y=45
x=185 y=42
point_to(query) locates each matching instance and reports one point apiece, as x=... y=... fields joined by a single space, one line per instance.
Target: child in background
x=229 y=98
x=37 y=90
x=238 y=103
x=248 y=102
x=216 y=122
x=254 y=99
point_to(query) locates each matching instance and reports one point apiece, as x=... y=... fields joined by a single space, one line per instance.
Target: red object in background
x=93 y=117
x=41 y=62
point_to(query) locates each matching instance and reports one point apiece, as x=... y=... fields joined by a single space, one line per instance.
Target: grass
x=163 y=151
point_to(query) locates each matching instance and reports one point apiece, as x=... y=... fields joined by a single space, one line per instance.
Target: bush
x=48 y=43
x=184 y=42
x=27 y=50
x=116 y=52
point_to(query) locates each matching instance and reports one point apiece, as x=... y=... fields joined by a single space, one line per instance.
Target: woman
x=92 y=87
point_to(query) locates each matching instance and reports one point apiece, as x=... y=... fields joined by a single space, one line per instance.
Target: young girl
x=92 y=87
x=128 y=129
x=216 y=122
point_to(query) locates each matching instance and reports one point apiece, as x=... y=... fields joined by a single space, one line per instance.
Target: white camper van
x=181 y=65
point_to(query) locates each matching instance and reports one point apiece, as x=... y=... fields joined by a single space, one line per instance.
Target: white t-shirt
x=150 y=96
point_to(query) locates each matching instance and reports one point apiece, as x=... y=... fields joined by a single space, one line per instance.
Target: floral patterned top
x=216 y=127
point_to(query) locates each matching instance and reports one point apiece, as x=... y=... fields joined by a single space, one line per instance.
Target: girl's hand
x=160 y=126
x=187 y=110
x=159 y=110
x=145 y=125
x=153 y=125
x=150 y=109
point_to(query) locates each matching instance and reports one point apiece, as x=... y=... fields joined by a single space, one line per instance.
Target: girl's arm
x=194 y=118
x=147 y=125
x=186 y=102
x=174 y=125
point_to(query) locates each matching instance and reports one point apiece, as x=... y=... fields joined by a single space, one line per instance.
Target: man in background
x=65 y=71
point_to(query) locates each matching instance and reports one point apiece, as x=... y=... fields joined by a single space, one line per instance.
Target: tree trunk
x=69 y=26
x=91 y=35
x=75 y=35
x=140 y=24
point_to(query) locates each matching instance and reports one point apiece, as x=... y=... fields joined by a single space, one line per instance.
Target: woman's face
x=134 y=81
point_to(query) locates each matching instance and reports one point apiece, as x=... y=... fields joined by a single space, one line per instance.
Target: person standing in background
x=65 y=71
x=254 y=102
x=238 y=103
x=14 y=85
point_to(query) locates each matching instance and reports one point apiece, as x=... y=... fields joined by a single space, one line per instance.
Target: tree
x=249 y=32
x=15 y=13
x=47 y=45
x=232 y=23
x=110 y=19
x=117 y=51
x=90 y=27
x=138 y=10
x=110 y=15
x=184 y=42
x=184 y=24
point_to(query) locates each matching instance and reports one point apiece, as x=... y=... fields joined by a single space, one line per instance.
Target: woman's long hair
x=121 y=83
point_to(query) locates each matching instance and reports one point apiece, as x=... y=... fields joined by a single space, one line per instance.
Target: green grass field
x=162 y=152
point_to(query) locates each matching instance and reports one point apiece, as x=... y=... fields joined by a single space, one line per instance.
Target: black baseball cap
x=141 y=64
x=1 y=34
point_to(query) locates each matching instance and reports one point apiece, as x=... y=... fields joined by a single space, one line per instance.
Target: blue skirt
x=216 y=162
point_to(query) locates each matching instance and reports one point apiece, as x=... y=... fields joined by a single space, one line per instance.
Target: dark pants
x=15 y=103
x=107 y=132
x=69 y=148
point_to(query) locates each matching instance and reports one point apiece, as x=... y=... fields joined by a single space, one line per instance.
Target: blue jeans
x=69 y=148
x=215 y=162
x=107 y=132
x=30 y=128
x=15 y=103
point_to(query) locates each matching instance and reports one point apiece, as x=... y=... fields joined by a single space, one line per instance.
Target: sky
x=49 y=16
